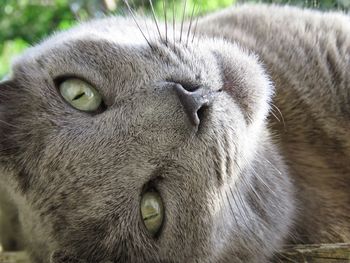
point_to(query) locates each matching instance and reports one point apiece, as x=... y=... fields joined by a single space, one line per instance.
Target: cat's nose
x=194 y=102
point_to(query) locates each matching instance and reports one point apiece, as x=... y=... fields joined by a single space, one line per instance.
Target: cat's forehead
x=95 y=38
x=116 y=57
x=105 y=52
x=117 y=30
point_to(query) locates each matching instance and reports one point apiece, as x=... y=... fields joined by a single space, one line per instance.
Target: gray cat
x=120 y=143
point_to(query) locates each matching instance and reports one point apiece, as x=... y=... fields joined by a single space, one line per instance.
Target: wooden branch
x=318 y=253
x=14 y=257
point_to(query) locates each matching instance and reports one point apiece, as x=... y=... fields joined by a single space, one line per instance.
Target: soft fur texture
x=235 y=190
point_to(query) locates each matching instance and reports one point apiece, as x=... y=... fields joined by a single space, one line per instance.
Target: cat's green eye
x=152 y=212
x=80 y=95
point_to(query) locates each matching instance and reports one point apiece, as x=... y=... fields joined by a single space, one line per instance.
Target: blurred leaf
x=9 y=50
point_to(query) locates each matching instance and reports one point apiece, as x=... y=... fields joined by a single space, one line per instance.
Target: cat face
x=83 y=174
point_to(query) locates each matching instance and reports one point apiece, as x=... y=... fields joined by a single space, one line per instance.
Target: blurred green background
x=26 y=22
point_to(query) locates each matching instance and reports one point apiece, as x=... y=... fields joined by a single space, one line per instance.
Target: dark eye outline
x=59 y=80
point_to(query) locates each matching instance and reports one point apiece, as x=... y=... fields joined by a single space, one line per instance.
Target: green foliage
x=192 y=6
x=26 y=22
x=31 y=20
x=10 y=48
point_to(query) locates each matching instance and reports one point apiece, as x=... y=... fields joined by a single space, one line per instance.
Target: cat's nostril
x=194 y=102
x=190 y=87
x=201 y=112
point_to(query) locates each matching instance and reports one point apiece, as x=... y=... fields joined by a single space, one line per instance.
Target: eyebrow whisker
x=137 y=24
x=191 y=20
x=155 y=19
x=183 y=19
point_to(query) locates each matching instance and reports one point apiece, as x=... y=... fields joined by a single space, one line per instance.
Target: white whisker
x=273 y=105
x=174 y=22
x=155 y=19
x=195 y=27
x=166 y=23
x=137 y=24
x=183 y=20
x=191 y=20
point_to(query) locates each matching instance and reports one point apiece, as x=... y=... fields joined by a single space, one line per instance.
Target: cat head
x=84 y=174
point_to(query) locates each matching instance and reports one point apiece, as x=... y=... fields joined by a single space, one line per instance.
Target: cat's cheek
x=5 y=88
x=9 y=146
x=245 y=80
x=5 y=126
x=63 y=257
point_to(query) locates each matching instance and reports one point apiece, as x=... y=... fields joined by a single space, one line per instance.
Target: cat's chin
x=59 y=256
x=263 y=191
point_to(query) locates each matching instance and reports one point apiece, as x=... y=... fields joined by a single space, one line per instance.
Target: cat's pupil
x=79 y=96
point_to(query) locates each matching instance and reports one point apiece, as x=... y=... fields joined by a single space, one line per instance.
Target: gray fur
x=236 y=190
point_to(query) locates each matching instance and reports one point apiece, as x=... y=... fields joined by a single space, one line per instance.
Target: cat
x=220 y=141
